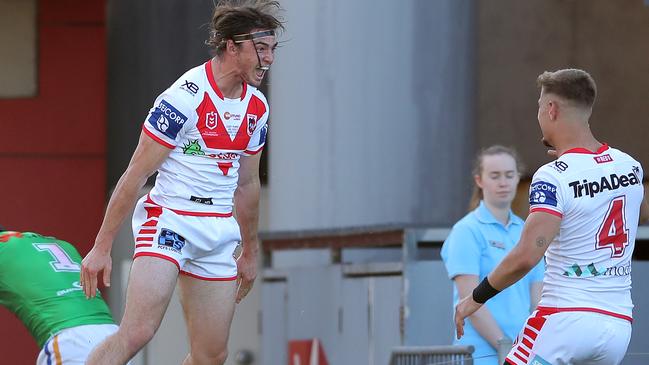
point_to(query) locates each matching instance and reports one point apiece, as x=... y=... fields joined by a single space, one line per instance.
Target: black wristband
x=484 y=291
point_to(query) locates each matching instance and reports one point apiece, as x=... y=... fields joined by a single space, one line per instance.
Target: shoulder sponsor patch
x=264 y=132
x=543 y=193
x=167 y=119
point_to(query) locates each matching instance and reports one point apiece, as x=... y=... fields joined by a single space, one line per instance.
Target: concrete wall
x=371 y=113
x=518 y=40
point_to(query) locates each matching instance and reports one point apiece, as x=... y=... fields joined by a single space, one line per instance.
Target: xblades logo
x=190 y=87
x=560 y=166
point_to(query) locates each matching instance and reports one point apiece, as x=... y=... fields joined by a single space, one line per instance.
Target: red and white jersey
x=207 y=134
x=598 y=196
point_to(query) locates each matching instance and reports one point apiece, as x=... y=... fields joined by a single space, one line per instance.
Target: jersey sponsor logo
x=582 y=272
x=76 y=286
x=170 y=240
x=198 y=199
x=618 y=270
x=211 y=120
x=610 y=183
x=560 y=166
x=167 y=119
x=228 y=115
x=252 y=123
x=544 y=193
x=603 y=158
x=591 y=270
x=190 y=87
x=225 y=155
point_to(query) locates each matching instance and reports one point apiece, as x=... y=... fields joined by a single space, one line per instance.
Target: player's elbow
x=135 y=176
x=528 y=265
x=531 y=263
x=247 y=188
x=249 y=182
x=525 y=263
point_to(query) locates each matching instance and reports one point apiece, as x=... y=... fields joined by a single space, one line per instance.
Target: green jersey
x=39 y=282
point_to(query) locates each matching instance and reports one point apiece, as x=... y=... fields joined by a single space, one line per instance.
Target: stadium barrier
x=432 y=355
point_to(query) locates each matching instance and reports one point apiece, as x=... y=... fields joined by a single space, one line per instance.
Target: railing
x=432 y=355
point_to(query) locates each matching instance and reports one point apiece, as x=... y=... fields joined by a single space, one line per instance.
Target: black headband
x=242 y=37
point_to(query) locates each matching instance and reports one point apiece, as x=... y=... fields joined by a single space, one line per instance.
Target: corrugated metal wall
x=372 y=105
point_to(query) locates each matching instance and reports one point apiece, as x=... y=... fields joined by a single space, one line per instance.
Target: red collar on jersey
x=603 y=148
x=215 y=87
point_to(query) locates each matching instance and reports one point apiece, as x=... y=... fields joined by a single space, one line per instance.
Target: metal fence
x=432 y=355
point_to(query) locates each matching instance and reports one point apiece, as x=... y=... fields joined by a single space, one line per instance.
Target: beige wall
x=517 y=40
x=17 y=48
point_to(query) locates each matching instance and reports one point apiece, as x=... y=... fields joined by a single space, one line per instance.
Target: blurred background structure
x=377 y=109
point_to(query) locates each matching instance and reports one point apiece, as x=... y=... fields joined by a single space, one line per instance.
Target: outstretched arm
x=539 y=230
x=148 y=156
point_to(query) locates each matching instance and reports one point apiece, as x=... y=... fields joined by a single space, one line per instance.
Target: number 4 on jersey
x=612 y=232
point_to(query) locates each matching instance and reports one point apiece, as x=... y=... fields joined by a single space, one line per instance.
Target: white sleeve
x=167 y=118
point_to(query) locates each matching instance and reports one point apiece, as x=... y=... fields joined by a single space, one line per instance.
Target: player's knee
x=222 y=356
x=138 y=336
x=209 y=357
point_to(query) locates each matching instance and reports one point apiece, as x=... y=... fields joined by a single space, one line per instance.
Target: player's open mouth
x=260 y=71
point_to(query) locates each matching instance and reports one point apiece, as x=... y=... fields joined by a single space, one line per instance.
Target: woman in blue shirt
x=475 y=246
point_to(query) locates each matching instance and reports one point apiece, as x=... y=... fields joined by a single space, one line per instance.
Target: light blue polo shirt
x=476 y=245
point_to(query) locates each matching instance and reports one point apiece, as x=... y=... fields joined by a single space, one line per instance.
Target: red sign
x=306 y=352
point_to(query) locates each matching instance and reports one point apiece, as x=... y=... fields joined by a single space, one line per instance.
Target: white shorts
x=201 y=247
x=571 y=337
x=73 y=345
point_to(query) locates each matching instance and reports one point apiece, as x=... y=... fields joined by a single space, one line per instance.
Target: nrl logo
x=252 y=123
x=210 y=120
